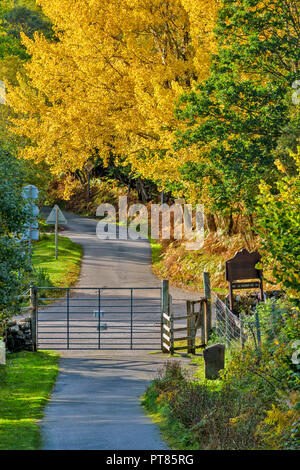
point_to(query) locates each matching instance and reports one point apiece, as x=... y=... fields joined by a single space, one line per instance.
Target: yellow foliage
x=69 y=187
x=111 y=81
x=239 y=420
x=281 y=426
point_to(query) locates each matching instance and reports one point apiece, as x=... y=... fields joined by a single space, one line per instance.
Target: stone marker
x=214 y=358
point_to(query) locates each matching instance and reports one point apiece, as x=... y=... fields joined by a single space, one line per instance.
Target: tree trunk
x=230 y=225
x=211 y=223
x=141 y=190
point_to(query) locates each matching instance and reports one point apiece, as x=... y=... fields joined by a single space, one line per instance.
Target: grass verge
x=156 y=251
x=65 y=270
x=25 y=385
x=184 y=268
x=157 y=402
x=173 y=432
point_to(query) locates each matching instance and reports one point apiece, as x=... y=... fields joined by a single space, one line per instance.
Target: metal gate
x=98 y=318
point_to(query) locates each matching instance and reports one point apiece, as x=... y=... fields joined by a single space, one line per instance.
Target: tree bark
x=211 y=223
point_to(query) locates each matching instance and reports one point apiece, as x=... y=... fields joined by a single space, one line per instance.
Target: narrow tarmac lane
x=95 y=404
x=114 y=263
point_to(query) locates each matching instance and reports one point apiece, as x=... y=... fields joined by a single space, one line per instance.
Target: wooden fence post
x=227 y=330
x=207 y=294
x=242 y=337
x=193 y=330
x=190 y=327
x=203 y=322
x=258 y=329
x=33 y=308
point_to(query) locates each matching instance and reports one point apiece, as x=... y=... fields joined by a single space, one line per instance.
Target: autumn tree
x=236 y=118
x=108 y=84
x=22 y=15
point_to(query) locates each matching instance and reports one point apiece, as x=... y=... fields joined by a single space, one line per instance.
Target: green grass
x=156 y=250
x=65 y=270
x=25 y=385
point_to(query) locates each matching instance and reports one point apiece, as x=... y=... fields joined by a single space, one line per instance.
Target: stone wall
x=18 y=335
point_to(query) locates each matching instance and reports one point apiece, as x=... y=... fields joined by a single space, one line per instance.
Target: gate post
x=203 y=322
x=171 y=326
x=207 y=294
x=33 y=309
x=191 y=331
x=164 y=308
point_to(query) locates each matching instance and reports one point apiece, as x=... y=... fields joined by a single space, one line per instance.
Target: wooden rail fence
x=197 y=316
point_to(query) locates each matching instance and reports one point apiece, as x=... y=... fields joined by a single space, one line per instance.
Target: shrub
x=254 y=405
x=14 y=216
x=281 y=428
x=279 y=228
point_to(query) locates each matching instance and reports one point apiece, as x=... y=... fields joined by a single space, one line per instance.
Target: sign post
x=56 y=231
x=55 y=218
x=243 y=267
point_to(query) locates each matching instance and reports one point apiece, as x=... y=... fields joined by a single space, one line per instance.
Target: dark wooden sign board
x=240 y=267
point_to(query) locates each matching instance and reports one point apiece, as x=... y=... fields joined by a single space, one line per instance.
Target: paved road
x=95 y=404
x=113 y=263
x=109 y=265
x=96 y=400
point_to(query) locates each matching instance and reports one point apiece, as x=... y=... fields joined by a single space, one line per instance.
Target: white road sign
x=31 y=234
x=52 y=216
x=33 y=210
x=30 y=192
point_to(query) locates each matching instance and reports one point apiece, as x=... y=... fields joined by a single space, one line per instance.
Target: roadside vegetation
x=184 y=269
x=26 y=382
x=253 y=405
x=205 y=108
x=61 y=272
x=216 y=121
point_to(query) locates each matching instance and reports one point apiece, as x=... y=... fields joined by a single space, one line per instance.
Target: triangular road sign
x=52 y=216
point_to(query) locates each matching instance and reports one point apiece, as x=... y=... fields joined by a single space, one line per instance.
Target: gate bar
x=96 y=288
